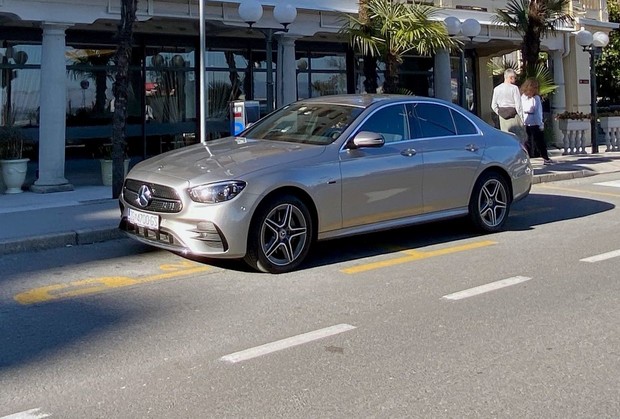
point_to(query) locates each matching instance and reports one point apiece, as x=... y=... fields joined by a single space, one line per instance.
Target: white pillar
x=442 y=75
x=52 y=110
x=558 y=99
x=286 y=71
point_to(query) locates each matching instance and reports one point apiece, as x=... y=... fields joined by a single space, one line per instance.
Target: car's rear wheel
x=490 y=203
x=280 y=235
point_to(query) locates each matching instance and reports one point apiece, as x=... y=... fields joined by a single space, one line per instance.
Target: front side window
x=390 y=122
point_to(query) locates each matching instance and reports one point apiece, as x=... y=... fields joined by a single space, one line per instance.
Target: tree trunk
x=371 y=76
x=390 y=85
x=120 y=89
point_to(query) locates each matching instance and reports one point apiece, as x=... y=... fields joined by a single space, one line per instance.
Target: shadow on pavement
x=36 y=333
x=536 y=209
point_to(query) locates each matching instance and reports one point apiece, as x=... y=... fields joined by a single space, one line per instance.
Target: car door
x=382 y=183
x=453 y=148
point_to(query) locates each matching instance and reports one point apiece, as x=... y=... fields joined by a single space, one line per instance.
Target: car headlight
x=213 y=193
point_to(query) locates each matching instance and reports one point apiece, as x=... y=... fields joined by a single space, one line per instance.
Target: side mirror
x=367 y=139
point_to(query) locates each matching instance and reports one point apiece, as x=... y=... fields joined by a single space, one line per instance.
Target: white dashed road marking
x=612 y=183
x=603 y=256
x=486 y=288
x=27 y=414
x=285 y=343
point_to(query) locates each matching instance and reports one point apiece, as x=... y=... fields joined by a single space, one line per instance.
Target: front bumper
x=211 y=230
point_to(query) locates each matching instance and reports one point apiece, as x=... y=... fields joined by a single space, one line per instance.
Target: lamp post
x=251 y=12
x=594 y=44
x=203 y=73
x=469 y=28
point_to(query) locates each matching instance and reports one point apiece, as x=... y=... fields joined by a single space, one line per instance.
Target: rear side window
x=463 y=125
x=434 y=120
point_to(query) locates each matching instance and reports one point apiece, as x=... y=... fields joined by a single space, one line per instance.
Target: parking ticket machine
x=242 y=114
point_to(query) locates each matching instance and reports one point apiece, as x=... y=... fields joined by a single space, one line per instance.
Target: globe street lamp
x=251 y=12
x=469 y=28
x=594 y=44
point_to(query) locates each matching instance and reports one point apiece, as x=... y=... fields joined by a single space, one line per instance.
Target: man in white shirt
x=506 y=103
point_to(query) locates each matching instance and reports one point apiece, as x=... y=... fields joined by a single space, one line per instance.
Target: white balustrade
x=611 y=127
x=573 y=135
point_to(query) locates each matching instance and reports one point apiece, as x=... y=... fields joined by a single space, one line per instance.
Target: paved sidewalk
x=88 y=214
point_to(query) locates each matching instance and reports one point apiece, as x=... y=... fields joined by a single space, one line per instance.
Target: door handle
x=471 y=147
x=409 y=152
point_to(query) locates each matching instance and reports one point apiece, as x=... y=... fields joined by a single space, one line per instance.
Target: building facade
x=57 y=69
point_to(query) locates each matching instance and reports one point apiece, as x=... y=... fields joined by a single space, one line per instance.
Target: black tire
x=490 y=203
x=280 y=235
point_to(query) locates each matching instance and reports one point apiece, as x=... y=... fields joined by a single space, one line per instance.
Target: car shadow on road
x=539 y=209
x=536 y=209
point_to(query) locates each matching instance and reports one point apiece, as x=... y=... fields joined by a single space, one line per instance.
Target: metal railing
x=591 y=9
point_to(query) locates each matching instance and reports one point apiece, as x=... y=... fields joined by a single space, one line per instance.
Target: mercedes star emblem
x=145 y=195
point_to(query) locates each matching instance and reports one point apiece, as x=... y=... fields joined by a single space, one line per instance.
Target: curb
x=554 y=177
x=55 y=240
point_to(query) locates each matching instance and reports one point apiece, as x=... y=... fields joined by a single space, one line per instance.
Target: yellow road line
x=96 y=285
x=579 y=191
x=412 y=255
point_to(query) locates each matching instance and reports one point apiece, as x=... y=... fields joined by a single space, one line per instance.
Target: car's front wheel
x=280 y=235
x=490 y=203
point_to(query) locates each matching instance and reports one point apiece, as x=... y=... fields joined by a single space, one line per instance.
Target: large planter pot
x=611 y=127
x=573 y=135
x=106 y=171
x=14 y=174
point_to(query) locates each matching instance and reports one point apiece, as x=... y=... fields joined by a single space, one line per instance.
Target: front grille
x=164 y=199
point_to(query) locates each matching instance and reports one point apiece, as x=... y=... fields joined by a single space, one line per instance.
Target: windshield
x=310 y=123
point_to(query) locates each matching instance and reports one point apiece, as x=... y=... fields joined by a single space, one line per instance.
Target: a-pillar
x=558 y=98
x=442 y=75
x=286 y=71
x=52 y=104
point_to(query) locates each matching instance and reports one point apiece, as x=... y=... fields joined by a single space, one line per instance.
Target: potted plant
x=13 y=165
x=573 y=126
x=105 y=158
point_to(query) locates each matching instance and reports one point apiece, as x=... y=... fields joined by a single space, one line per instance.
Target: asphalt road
x=430 y=321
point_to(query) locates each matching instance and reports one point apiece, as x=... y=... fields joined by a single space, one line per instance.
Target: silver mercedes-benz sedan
x=323 y=168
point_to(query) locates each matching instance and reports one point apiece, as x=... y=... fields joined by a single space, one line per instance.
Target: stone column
x=442 y=75
x=286 y=71
x=558 y=99
x=52 y=105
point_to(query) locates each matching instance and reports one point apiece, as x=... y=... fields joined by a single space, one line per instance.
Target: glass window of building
x=321 y=73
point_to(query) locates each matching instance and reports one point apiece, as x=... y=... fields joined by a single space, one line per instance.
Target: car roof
x=365 y=100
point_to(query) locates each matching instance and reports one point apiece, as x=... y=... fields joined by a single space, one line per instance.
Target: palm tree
x=608 y=65
x=546 y=86
x=388 y=29
x=89 y=63
x=120 y=88
x=371 y=77
x=533 y=20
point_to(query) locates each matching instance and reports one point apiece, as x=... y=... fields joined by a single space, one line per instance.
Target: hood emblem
x=145 y=196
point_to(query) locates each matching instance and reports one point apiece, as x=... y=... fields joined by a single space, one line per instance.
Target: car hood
x=226 y=158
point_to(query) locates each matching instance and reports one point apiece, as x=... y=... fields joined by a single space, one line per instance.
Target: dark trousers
x=536 y=141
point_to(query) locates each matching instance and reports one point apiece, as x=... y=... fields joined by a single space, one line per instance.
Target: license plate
x=143 y=219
